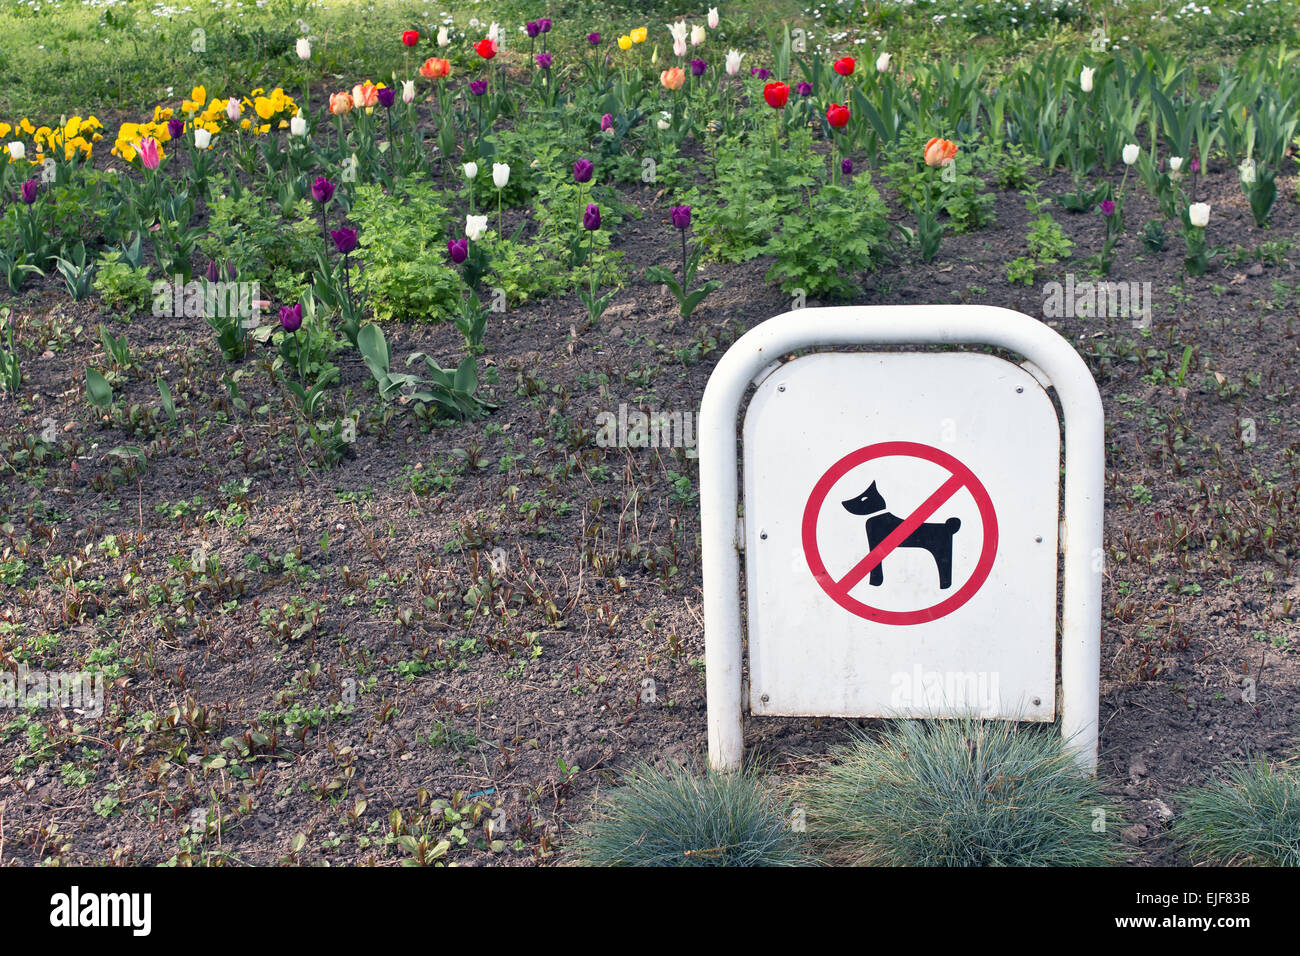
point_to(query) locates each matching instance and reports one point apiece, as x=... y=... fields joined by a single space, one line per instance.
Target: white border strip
x=902 y=325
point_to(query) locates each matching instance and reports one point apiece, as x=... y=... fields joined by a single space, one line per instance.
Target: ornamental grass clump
x=676 y=818
x=961 y=792
x=1252 y=817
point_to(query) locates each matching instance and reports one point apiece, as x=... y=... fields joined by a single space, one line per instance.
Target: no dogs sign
x=901 y=515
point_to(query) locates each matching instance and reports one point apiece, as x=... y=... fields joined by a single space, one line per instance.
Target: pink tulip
x=149 y=152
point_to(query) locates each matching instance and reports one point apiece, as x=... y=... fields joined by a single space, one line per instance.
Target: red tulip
x=844 y=66
x=411 y=37
x=776 y=95
x=837 y=115
x=486 y=48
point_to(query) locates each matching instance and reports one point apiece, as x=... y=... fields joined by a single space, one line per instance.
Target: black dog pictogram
x=933 y=537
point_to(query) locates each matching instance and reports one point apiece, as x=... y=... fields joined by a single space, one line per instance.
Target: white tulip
x=408 y=91
x=1085 y=79
x=1175 y=163
x=1247 y=171
x=18 y=150
x=297 y=126
x=471 y=170
x=202 y=138
x=233 y=109
x=304 y=48
x=678 y=30
x=882 y=62
x=713 y=18
x=476 y=227
x=444 y=36
x=1131 y=152
x=1199 y=214
x=733 y=62
x=500 y=175
x=697 y=35
x=665 y=120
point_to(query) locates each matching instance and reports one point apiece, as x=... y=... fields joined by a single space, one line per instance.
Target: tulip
x=1175 y=163
x=304 y=48
x=1108 y=207
x=345 y=239
x=322 y=190
x=387 y=96
x=494 y=33
x=175 y=128
x=291 y=317
x=1085 y=79
x=365 y=94
x=458 y=250
x=471 y=170
x=882 y=62
x=435 y=68
x=837 y=115
x=639 y=35
x=408 y=91
x=713 y=18
x=214 y=272
x=297 y=126
x=28 y=191
x=939 y=152
x=18 y=150
x=776 y=94
x=804 y=88
x=698 y=67
x=761 y=72
x=697 y=35
x=478 y=87
x=844 y=66
x=681 y=216
x=340 y=103
x=410 y=37
x=673 y=79
x=500 y=175
x=444 y=36
x=233 y=110
x=625 y=42
x=476 y=227
x=486 y=48
x=1247 y=171
x=202 y=138
x=545 y=24
x=665 y=120
x=846 y=166
x=678 y=31
x=591 y=218
x=1131 y=152
x=544 y=60
x=1196 y=165
x=593 y=38
x=149 y=152
x=1198 y=213
x=582 y=170
x=533 y=29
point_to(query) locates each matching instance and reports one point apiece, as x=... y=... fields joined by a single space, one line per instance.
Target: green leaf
x=98 y=389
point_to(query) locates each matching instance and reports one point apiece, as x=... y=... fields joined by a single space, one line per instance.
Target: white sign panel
x=900 y=528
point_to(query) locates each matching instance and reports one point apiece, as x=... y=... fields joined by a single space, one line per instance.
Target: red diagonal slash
x=900 y=534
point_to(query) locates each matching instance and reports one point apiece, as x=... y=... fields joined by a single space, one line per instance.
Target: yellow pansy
x=4 y=129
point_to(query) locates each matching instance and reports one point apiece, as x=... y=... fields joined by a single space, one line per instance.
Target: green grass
x=960 y=793
x=1251 y=817
x=676 y=818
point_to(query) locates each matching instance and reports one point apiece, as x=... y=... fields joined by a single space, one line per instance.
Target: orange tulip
x=340 y=103
x=940 y=152
x=365 y=94
x=673 y=79
x=435 y=69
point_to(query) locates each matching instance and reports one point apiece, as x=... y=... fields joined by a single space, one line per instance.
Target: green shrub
x=961 y=792
x=120 y=287
x=676 y=818
x=1252 y=817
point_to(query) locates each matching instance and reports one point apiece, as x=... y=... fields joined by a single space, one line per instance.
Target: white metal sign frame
x=1055 y=361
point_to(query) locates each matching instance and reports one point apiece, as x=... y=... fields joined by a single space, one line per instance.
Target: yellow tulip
x=639 y=35
x=625 y=42
x=199 y=95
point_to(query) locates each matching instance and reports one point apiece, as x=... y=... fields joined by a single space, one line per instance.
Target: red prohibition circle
x=962 y=476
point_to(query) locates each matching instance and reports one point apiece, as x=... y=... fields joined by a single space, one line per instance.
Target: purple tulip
x=804 y=89
x=322 y=190
x=582 y=170
x=591 y=218
x=698 y=67
x=213 y=272
x=291 y=317
x=1108 y=207
x=175 y=128
x=681 y=217
x=345 y=239
x=593 y=38
x=761 y=72
x=544 y=24
x=230 y=270
x=846 y=166
x=28 y=191
x=533 y=28
x=458 y=249
x=387 y=95
x=1196 y=165
x=606 y=123
x=544 y=60
x=478 y=87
